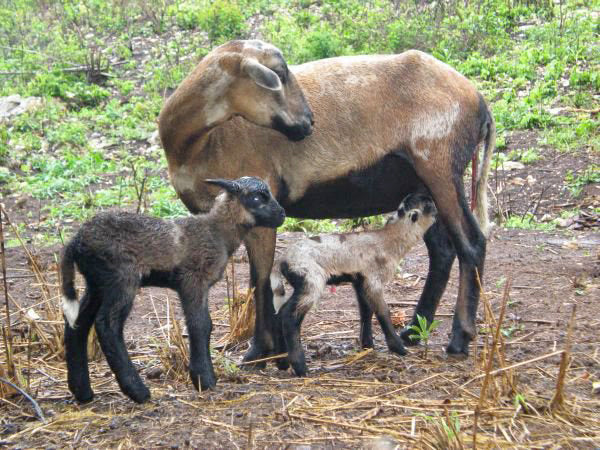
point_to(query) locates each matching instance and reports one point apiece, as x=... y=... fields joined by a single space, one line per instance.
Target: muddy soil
x=350 y=398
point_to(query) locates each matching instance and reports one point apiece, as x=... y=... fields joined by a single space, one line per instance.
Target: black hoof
x=459 y=345
x=139 y=395
x=84 y=397
x=397 y=348
x=405 y=335
x=282 y=363
x=300 y=368
x=256 y=352
x=367 y=343
x=298 y=363
x=205 y=382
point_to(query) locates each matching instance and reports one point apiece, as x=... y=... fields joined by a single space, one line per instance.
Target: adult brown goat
x=386 y=126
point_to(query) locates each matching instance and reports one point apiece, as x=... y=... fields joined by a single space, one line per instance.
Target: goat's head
x=415 y=209
x=263 y=90
x=256 y=198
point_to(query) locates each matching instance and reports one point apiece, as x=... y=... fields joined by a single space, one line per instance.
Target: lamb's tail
x=70 y=304
x=481 y=208
x=279 y=297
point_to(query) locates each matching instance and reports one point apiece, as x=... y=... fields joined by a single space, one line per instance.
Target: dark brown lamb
x=118 y=252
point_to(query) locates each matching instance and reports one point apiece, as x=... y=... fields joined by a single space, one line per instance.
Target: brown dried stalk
x=559 y=397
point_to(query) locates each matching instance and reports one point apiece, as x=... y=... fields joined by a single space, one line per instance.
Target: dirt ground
x=352 y=398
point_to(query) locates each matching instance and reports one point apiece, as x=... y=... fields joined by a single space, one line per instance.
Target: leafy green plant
x=528 y=156
x=221 y=19
x=576 y=183
x=422 y=331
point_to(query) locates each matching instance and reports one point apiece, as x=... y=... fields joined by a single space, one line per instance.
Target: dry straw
x=354 y=399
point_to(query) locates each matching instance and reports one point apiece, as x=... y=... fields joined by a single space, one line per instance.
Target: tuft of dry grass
x=242 y=313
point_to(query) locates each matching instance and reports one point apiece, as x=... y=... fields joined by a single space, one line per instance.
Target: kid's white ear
x=262 y=75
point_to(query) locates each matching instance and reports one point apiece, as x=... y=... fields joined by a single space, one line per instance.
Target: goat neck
x=397 y=237
x=231 y=220
x=195 y=108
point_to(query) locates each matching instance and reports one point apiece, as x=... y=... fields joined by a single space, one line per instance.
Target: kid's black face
x=417 y=201
x=256 y=197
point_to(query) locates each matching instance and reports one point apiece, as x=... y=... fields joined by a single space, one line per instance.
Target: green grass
x=528 y=222
x=74 y=152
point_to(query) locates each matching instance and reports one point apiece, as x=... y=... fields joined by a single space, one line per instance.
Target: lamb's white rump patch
x=279 y=297
x=70 y=310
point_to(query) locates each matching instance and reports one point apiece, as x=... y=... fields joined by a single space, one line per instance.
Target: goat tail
x=481 y=208
x=279 y=297
x=70 y=304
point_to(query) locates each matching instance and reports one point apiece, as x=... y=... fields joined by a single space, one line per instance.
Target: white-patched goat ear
x=262 y=75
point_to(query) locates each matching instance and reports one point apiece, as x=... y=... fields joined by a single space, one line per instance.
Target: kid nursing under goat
x=118 y=252
x=368 y=260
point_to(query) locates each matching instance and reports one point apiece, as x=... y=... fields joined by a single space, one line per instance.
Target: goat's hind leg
x=117 y=302
x=306 y=294
x=76 y=348
x=467 y=239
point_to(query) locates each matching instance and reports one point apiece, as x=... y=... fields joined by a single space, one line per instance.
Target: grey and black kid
x=368 y=260
x=118 y=252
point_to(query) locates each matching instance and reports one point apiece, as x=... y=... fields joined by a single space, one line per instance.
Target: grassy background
x=103 y=67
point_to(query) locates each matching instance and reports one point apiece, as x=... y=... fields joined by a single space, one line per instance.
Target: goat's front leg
x=194 y=300
x=371 y=292
x=268 y=338
x=441 y=257
x=366 y=316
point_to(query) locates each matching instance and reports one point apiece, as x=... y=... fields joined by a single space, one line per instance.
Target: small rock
x=564 y=223
x=596 y=387
x=511 y=165
x=15 y=104
x=154 y=373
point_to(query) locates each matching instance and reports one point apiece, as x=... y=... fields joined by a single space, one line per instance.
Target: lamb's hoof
x=139 y=395
x=300 y=369
x=282 y=363
x=405 y=335
x=367 y=343
x=397 y=348
x=256 y=352
x=203 y=382
x=85 y=397
x=298 y=362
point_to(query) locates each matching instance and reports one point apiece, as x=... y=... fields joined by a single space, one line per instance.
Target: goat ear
x=230 y=186
x=262 y=75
